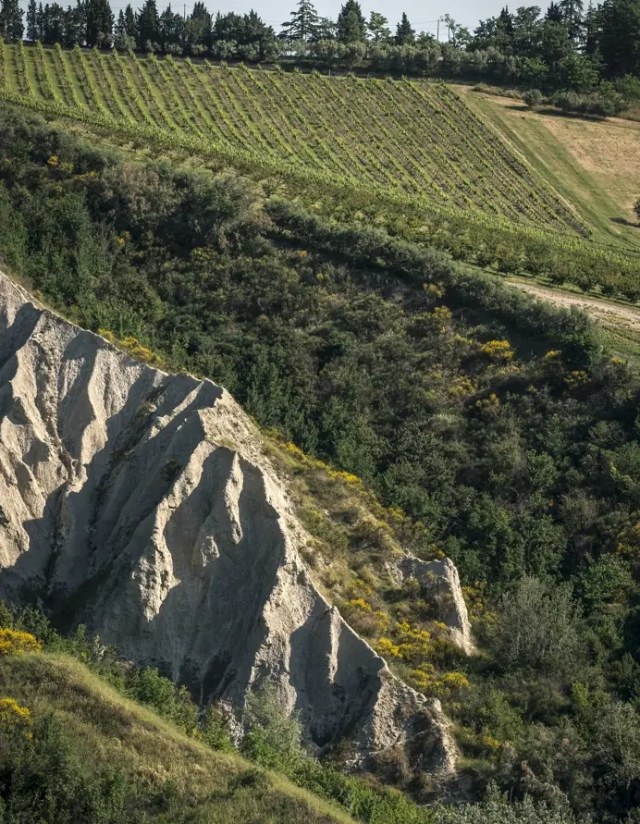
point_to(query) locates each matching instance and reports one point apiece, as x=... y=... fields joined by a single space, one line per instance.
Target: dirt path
x=609 y=314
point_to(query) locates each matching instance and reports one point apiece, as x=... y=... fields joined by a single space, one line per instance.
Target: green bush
x=533 y=98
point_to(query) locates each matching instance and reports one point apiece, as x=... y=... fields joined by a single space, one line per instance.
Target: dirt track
x=607 y=313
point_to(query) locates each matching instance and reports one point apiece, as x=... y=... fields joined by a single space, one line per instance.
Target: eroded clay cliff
x=141 y=504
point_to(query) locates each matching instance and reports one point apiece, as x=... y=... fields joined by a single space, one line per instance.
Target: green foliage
x=533 y=98
x=537 y=629
x=499 y=810
x=148 y=687
x=605 y=103
x=379 y=174
x=492 y=421
x=90 y=756
x=273 y=739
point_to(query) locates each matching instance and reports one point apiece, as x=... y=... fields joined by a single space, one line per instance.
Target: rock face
x=141 y=504
x=440 y=580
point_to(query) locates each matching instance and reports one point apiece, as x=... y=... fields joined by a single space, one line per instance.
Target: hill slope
x=591 y=162
x=403 y=138
x=133 y=499
x=113 y=760
x=409 y=156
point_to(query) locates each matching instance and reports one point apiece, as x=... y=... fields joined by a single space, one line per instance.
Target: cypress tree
x=32 y=21
x=99 y=22
x=11 y=25
x=404 y=33
x=130 y=25
x=148 y=26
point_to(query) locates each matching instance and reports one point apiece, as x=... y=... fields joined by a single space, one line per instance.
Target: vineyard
x=408 y=156
x=401 y=137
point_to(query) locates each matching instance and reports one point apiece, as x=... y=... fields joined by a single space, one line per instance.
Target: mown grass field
x=402 y=137
x=590 y=162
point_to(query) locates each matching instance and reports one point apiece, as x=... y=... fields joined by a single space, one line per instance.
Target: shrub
x=273 y=739
x=533 y=98
x=14 y=718
x=604 y=103
x=537 y=629
x=15 y=642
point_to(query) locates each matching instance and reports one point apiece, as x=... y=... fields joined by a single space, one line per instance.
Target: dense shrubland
x=494 y=422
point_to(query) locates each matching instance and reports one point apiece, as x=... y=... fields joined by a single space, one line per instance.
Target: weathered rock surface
x=441 y=582
x=140 y=504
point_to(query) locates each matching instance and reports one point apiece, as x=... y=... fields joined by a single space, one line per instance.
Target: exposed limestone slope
x=140 y=504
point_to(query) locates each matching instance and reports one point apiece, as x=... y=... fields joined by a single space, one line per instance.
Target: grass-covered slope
x=405 y=138
x=86 y=754
x=595 y=163
x=409 y=156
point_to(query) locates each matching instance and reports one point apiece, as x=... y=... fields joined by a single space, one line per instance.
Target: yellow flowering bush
x=497 y=350
x=14 y=718
x=14 y=642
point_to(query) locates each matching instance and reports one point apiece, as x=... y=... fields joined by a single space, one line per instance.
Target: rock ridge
x=141 y=504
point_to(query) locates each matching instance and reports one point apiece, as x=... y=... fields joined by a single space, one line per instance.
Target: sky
x=423 y=15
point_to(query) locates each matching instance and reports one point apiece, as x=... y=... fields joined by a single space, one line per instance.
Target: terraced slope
x=403 y=139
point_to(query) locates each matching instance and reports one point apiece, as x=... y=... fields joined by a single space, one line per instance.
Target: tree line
x=567 y=47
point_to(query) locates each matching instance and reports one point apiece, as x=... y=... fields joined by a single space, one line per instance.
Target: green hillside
x=86 y=754
x=410 y=139
x=409 y=156
x=492 y=428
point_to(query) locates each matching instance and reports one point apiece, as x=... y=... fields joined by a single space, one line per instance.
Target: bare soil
x=608 y=313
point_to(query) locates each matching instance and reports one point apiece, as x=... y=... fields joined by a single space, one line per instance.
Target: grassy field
x=109 y=732
x=593 y=163
x=407 y=138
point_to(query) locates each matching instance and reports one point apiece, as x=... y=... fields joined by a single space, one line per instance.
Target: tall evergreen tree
x=171 y=30
x=405 y=34
x=351 y=25
x=617 y=36
x=148 y=26
x=197 y=30
x=53 y=24
x=99 y=22
x=554 y=13
x=32 y=21
x=130 y=23
x=11 y=25
x=75 y=25
x=572 y=16
x=304 y=23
